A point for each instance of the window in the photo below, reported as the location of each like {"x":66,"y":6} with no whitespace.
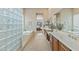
{"x":76,"y":23}
{"x":39,"y":18}
{"x":67,"y":17}
{"x":71,"y":20}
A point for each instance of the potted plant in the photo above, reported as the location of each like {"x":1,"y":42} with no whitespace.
{"x":59,"y":26}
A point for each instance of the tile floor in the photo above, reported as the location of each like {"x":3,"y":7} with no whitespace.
{"x":38,"y":43}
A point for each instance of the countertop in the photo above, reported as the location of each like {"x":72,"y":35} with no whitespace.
{"x":66,"y":40}
{"x":27,"y":32}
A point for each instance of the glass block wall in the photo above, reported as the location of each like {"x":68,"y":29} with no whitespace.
{"x":10,"y":28}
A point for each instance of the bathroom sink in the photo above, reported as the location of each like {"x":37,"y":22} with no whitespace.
{"x":71,"y":35}
{"x":74,"y":37}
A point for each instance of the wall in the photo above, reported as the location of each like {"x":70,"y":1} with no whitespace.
{"x":30,"y":13}
{"x":10,"y":28}
{"x":76,"y":10}
{"x":53,"y":11}
{"x":76,"y":21}
{"x":64,"y":17}
{"x":52,"y":14}
{"x":30,"y":17}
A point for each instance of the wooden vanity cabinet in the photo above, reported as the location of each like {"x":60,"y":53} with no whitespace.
{"x":62,"y":47}
{"x":47,"y":35}
{"x":57,"y":45}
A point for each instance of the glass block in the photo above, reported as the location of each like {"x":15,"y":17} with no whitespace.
{"x":11,"y":19}
{"x":4,"y":20}
{"x":2,"y":35}
{"x":11,"y":9}
{"x":7,"y":34}
{"x":1,"y":28}
{"x":2,"y":42}
{"x":9,"y":46}
{"x":1,"y":19}
{"x":1,"y":11}
{"x":2,"y":48}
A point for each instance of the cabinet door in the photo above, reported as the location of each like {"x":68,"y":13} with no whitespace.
{"x":51,"y":42}
{"x":62,"y":47}
{"x":55,"y":44}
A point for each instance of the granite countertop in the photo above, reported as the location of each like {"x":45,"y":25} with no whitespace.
{"x":27,"y":32}
{"x":66,"y":40}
